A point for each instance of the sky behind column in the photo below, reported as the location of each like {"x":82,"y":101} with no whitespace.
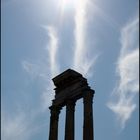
{"x":42,"y":38}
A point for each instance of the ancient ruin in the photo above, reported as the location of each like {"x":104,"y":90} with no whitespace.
{"x":71,"y":86}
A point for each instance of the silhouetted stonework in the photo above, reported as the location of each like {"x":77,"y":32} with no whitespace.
{"x":71,"y":86}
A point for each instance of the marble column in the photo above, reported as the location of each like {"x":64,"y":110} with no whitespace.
{"x":55,"y":110}
{"x":69,"y":124}
{"x":88,"y":115}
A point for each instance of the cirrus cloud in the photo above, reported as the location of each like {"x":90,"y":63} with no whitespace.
{"x":128,"y":72}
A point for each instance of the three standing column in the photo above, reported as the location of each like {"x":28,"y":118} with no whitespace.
{"x":88,"y":132}
{"x":88,"y":116}
{"x":54,"y":122}
{"x":69,"y":126}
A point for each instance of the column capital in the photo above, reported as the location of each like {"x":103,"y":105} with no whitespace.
{"x":88,"y":96}
{"x":70,"y":105}
{"x":55,"y":110}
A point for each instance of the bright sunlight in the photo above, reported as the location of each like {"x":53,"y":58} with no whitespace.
{"x":68,"y":4}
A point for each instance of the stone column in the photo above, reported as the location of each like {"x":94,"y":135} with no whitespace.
{"x":53,"y":135}
{"x":88,"y":116}
{"x":69,"y":125}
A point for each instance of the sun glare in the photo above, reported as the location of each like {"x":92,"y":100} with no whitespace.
{"x":68,"y":4}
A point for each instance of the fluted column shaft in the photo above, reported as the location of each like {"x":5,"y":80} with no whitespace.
{"x":88,"y":116}
{"x":53,"y":135}
{"x":69,"y":125}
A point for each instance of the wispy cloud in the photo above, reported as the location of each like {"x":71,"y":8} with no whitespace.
{"x":46,"y":69}
{"x":52,"y":48}
{"x":51,"y":56}
{"x":31,"y":68}
{"x":14,"y":128}
{"x":20,"y":125}
{"x":128,"y":72}
{"x":82,"y":62}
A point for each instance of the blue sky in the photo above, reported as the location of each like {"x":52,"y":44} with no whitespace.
{"x":42,"y":38}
